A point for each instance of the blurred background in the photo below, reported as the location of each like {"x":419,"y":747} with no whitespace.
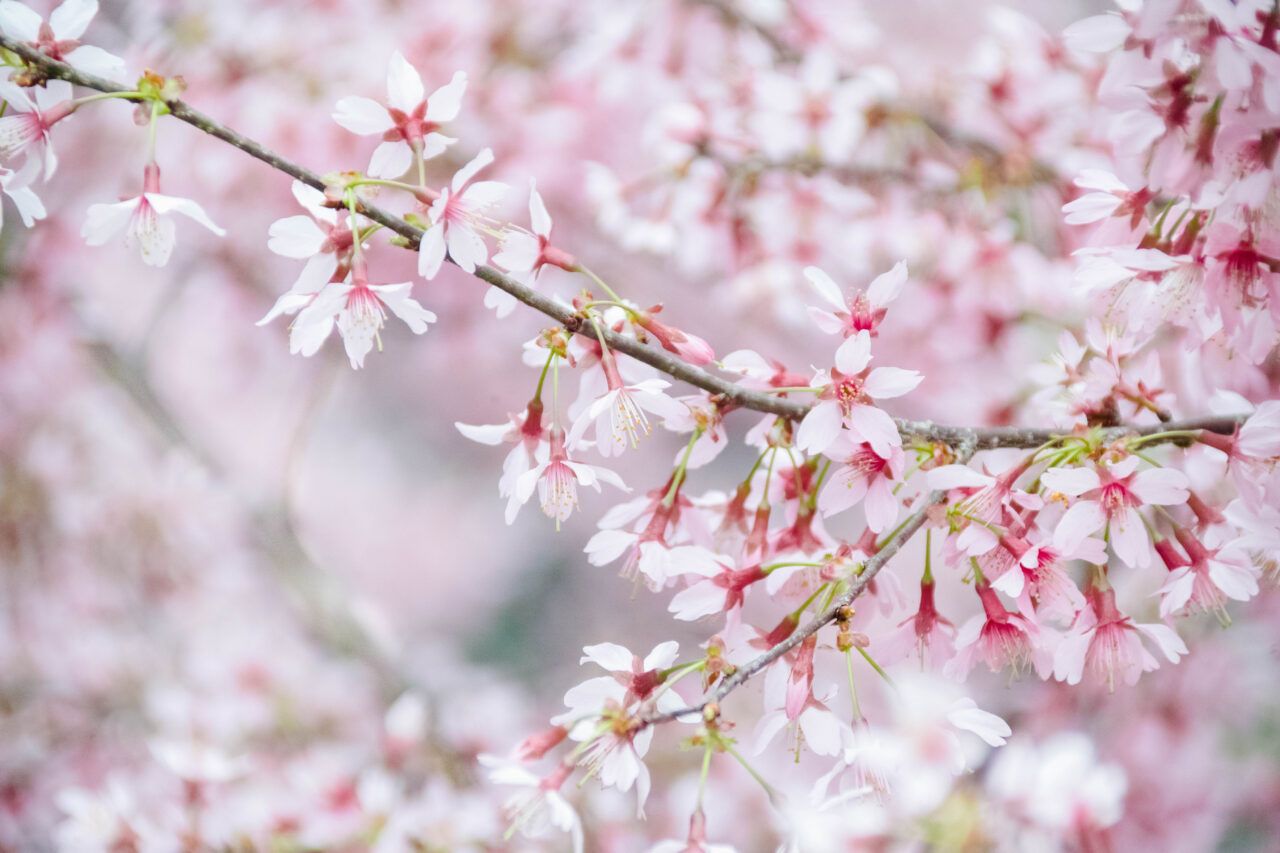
{"x":222,"y":565}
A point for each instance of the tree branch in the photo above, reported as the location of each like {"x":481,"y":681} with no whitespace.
{"x":979,"y":438}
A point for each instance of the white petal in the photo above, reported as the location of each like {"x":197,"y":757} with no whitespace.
{"x":185,"y":206}
{"x":663,"y":656}
{"x":819,"y":428}
{"x":95,"y":60}
{"x":1098,"y":34}
{"x":404,"y":85}
{"x":71,"y":19}
{"x":467,"y":172}
{"x":957,"y":476}
{"x":854,"y":354}
{"x":885,"y":383}
{"x":397,"y":298}
{"x":611,"y":656}
{"x":444,"y":103}
{"x":826,"y":288}
{"x":390,"y":159}
{"x":538,"y":215}
{"x":1071,"y":481}
{"x":466,"y":247}
{"x":431,"y":252}
{"x":295,"y":236}
{"x":19,"y":22}
{"x":362,"y":116}
{"x":104,"y":220}
{"x":887,"y":286}
{"x":491,"y":434}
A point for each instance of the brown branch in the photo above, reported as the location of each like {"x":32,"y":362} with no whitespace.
{"x":980,"y":438}
{"x":785,"y":53}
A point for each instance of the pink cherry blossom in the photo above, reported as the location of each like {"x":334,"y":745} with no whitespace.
{"x":357,"y":308}
{"x":1110,"y":497}
{"x":619,"y":414}
{"x":59,"y":37}
{"x":456,"y":220}
{"x":863,"y":312}
{"x":410,"y":121}
{"x":27,"y":129}
{"x":141,"y":219}
{"x":862,"y":474}
{"x":557,"y":477}
{"x":1206,"y":578}
{"x":523,"y":251}
{"x":846,"y":400}
{"x":1109,"y":644}
{"x":999,"y":638}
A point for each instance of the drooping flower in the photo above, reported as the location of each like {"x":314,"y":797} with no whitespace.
{"x":539,"y":805}
{"x":618,"y":414}
{"x":142,"y":218}
{"x":999,"y":637}
{"x":356,"y":307}
{"x":409,"y":123}
{"x":455,"y":216}
{"x":523,"y":251}
{"x":556,"y":478}
{"x":324,"y":239}
{"x":1109,"y":644}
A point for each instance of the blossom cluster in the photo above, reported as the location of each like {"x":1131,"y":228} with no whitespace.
{"x":1071,"y":245}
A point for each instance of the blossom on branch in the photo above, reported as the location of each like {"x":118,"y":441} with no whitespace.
{"x":456,"y":220}
{"x":410,"y":121}
{"x":141,"y":219}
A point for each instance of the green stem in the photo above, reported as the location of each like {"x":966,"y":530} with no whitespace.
{"x":678,"y":478}
{"x":768,"y":789}
{"x":927,"y":577}
{"x":853,"y":693}
{"x":102,"y":96}
{"x":537,"y":393}
{"x":706,"y":769}
{"x":874,"y":665}
{"x":598,"y":280}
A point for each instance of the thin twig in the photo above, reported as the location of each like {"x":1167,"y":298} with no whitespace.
{"x":981,"y":438}
{"x":869,"y":571}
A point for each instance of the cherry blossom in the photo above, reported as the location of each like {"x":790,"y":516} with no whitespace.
{"x":865,"y":311}
{"x":357,"y":309}
{"x":455,"y":220}
{"x":141,"y":219}
{"x":409,"y":123}
{"x":999,"y":638}
{"x":323,"y":238}
{"x":846,"y":400}
{"x":539,"y":806}
{"x":27,"y":131}
{"x":862,"y":474}
{"x":1109,"y":644}
{"x":556,"y":478}
{"x":619,"y":414}
{"x":58,"y":38}
{"x":529,"y":252}
{"x":1109,"y":497}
